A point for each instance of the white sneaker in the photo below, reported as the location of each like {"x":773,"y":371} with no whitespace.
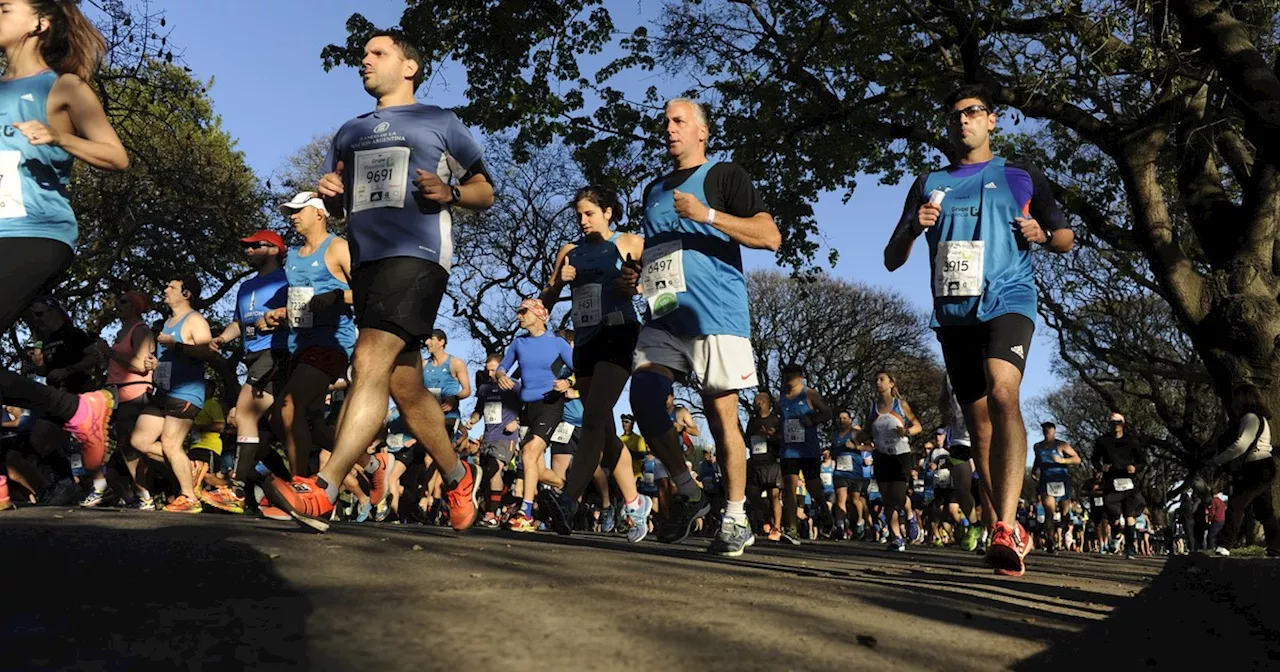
{"x":1221,"y":551}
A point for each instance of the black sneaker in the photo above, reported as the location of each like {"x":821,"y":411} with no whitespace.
{"x":684,"y":512}
{"x":559,"y":514}
{"x":62,"y":493}
{"x":1272,"y":553}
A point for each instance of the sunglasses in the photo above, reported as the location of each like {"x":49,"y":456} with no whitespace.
{"x":522,"y":311}
{"x":971,"y":112}
{"x":256,"y":246}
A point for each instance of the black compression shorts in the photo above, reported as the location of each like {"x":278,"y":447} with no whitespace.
{"x":967,"y":348}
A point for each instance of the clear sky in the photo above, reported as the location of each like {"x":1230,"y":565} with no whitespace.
{"x":273,"y":96}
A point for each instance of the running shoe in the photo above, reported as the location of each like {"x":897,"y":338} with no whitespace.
{"x":363,"y":511}
{"x":1226,"y":553}
{"x":95,"y":499}
{"x":791,"y":536}
{"x":734,"y":538}
{"x":897,"y":545}
{"x":775,"y":535}
{"x":272,"y":513}
{"x":608,"y":520}
{"x":5,"y":502}
{"x":184,"y":504}
{"x":463,"y":498}
{"x":141,"y":503}
{"x":62,"y":493}
{"x":522,"y":523}
{"x":1008,"y":547}
{"x":303,"y":499}
{"x":639,"y":519}
{"x":970,"y":540}
{"x":837,"y":533}
{"x":1271,"y":552}
{"x":91,"y":431}
{"x":378,"y":491}
{"x":490,"y":520}
{"x":824,"y":520}
{"x":1130,"y":554}
{"x":559,"y":513}
{"x":914,"y":533}
{"x":684,"y":512}
{"x":222,"y":498}
{"x":383,"y":510}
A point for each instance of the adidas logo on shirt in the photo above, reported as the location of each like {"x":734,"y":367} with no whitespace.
{"x":314,"y":264}
{"x":28,"y":97}
{"x":1019,"y":351}
{"x":989,"y":185}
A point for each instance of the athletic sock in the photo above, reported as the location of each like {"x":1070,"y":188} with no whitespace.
{"x":330,"y":489}
{"x":685,"y":485}
{"x":736,"y":511}
{"x":633,"y":505}
{"x":527,"y":509}
{"x":455,"y":476}
{"x":143,"y":493}
{"x":99,"y":485}
{"x":374,"y":464}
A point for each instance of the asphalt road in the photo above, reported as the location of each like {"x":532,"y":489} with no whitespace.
{"x":116,"y":590}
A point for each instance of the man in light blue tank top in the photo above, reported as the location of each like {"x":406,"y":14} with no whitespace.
{"x":445,"y":377}
{"x":981,"y":216}
{"x":696,"y":221}
{"x":181,"y":351}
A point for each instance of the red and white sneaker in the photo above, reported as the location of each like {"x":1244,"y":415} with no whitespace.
{"x":1008,"y":548}
{"x":463,"y":499}
{"x":378,"y":481}
{"x":303,"y":499}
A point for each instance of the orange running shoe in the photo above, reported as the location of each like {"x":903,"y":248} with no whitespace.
{"x":378,"y":480}
{"x":5,"y":503}
{"x":1008,"y":547}
{"x":775,"y":535}
{"x":463,"y":500}
{"x":91,"y":431}
{"x":522,"y":523}
{"x":223,"y":498}
{"x":272,"y":513}
{"x":303,"y":499}
{"x":184,"y":504}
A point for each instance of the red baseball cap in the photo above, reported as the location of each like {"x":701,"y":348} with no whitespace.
{"x":265,"y":236}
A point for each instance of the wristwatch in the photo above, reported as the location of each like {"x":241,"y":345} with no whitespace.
{"x":457,"y":195}
{"x":1048,"y":236}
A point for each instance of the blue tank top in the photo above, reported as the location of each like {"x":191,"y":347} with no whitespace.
{"x":34,"y":198}
{"x":692,"y":271}
{"x":309,"y":276}
{"x":826,"y":473}
{"x":846,"y":459}
{"x":440,"y":378}
{"x":179,"y":376}
{"x":596,"y":299}
{"x":980,"y":206}
{"x":798,"y":441}
{"x":573,"y":412}
{"x":256,"y":296}
{"x":1050,"y":470}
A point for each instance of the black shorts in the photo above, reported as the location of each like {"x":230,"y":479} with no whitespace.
{"x":764,"y":475}
{"x":1124,"y":504}
{"x":892,"y":468}
{"x":266,"y":370}
{"x":961,"y":452}
{"x":944,"y":496}
{"x":415,"y":454}
{"x":399,"y":295}
{"x":500,"y":451}
{"x":966,"y":349}
{"x":162,"y":406}
{"x":811,"y":467}
{"x":203,"y":455}
{"x":123,"y":420}
{"x":542,"y":418}
{"x":610,"y":345}
{"x":569,"y":447}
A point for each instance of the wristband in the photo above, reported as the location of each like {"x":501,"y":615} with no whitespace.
{"x":711,"y":217}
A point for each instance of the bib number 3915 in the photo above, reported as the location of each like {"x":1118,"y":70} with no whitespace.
{"x":663,"y":277}
{"x":957,"y":268}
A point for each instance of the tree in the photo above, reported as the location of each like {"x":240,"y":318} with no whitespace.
{"x":302,"y":170}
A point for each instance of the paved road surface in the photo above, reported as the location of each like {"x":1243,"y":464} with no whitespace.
{"x":116,"y":590}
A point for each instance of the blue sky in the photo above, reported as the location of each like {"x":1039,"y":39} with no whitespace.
{"x":273,"y":96}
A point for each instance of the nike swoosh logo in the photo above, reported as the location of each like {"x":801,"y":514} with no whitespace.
{"x":747,"y":376}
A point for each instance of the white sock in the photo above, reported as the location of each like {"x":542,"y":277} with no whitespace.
{"x":736,"y":511}
{"x":99,"y":485}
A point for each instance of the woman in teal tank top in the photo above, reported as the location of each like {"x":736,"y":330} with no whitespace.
{"x":52,"y":117}
{"x":606,"y":324}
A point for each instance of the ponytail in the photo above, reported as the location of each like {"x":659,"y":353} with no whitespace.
{"x":72,"y":44}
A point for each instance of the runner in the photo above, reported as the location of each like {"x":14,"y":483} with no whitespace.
{"x":803,"y":411}
{"x":982,"y":214}
{"x":180,"y":390}
{"x":445,"y":377}
{"x":402,"y":154}
{"x":1052,"y":457}
{"x":51,"y":51}
{"x":1254,"y":471}
{"x":266,"y":356}
{"x":1120,"y":458}
{"x":500,"y":410}
{"x":697,"y":219}
{"x":891,"y":424}
{"x":606,"y":324}
{"x":764,"y":470}
{"x":541,"y":355}
{"x":633,"y":442}
{"x":565,"y":441}
{"x":961,"y":504}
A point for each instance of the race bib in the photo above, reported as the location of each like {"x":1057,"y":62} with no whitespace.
{"x":1097,"y":501}
{"x":793,"y":431}
{"x":300,"y":315}
{"x":564,"y":432}
{"x":844,"y":462}
{"x":436,"y":392}
{"x":493,"y":412}
{"x":873,"y":488}
{"x":1056,"y":489}
{"x":586,"y":305}
{"x":918,"y":485}
{"x":827,"y":479}
{"x":395,"y":441}
{"x":663,"y":277}
{"x":381,"y":178}
{"x":942,"y":478}
{"x":648,"y":478}
{"x":164,"y":375}
{"x":958,"y":268}
{"x":1124,"y":484}
{"x":759,"y":446}
{"x":524,"y":431}
{"x":77,"y":461}
{"x":250,"y":332}
{"x":11,"y":202}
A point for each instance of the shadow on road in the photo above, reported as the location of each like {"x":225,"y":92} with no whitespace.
{"x":89,"y":598}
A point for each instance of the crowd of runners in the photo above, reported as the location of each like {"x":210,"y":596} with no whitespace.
{"x":350,"y":406}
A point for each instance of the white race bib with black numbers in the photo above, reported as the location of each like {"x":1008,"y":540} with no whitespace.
{"x":11,"y":201}
{"x":844,"y":462}
{"x":564,"y":432}
{"x":663,"y":277}
{"x":1124,"y":484}
{"x":873,"y":488}
{"x":300,"y":315}
{"x":793,"y":431}
{"x":827,"y":479}
{"x":957,"y":268}
{"x":164,"y":376}
{"x":77,"y":461}
{"x":1056,"y":489}
{"x":648,"y":478}
{"x":942,"y":478}
{"x":1097,"y":501}
{"x":759,"y":446}
{"x":381,"y":178}
{"x":587,"y":305}
{"x":492,"y":412}
{"x":395,"y":442}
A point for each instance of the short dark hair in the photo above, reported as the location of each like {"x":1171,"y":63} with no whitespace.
{"x":792,"y":370}
{"x":1047,"y":424}
{"x":439,"y":333}
{"x":408,"y":50}
{"x":603,"y":198}
{"x":192,"y":285}
{"x":963,"y":91}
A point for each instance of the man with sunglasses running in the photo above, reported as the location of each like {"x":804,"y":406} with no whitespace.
{"x":981,"y":217}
